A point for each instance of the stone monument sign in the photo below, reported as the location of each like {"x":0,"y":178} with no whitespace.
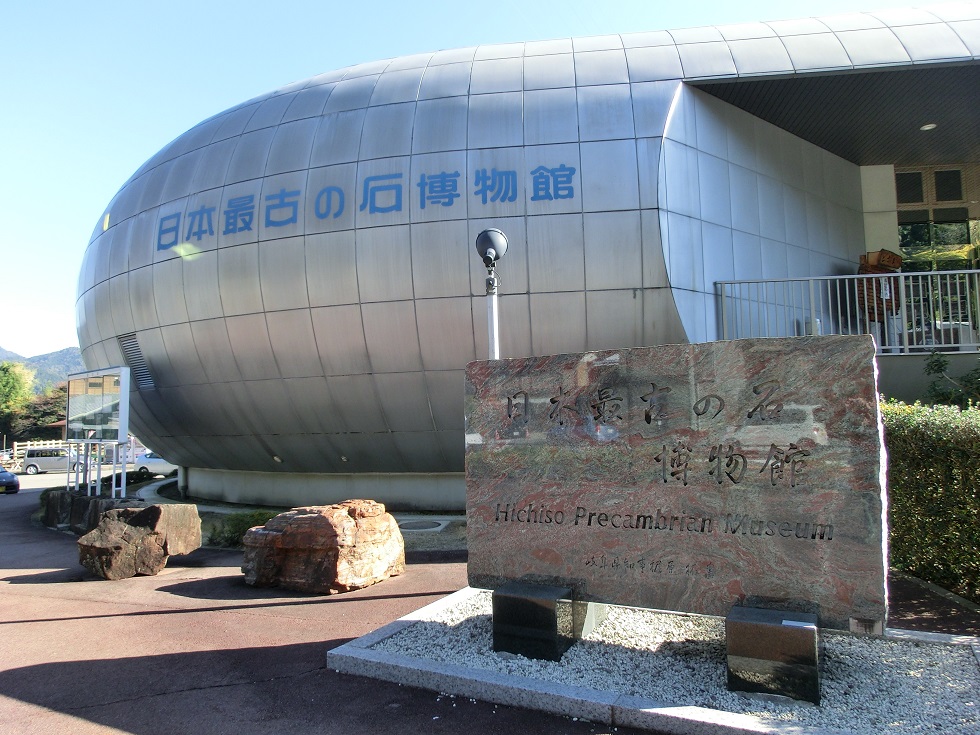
{"x":684,"y":477}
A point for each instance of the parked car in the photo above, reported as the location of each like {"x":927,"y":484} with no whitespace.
{"x":152,"y":463}
{"x":50,"y":459}
{"x":9,"y":483}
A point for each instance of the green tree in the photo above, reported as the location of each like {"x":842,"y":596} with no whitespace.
{"x":16,"y":391}
{"x":35,"y":419}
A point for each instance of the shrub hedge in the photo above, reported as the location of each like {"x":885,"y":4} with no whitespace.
{"x":934,"y":500}
{"x":231,"y":529}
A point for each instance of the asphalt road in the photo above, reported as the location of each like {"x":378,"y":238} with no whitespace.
{"x":195,"y":650}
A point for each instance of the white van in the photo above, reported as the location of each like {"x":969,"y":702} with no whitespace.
{"x":48,"y":459}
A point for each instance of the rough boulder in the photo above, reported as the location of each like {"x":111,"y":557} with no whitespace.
{"x":324,"y":549}
{"x":131,"y":541}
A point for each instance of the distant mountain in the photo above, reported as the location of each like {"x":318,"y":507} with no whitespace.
{"x":49,"y":369}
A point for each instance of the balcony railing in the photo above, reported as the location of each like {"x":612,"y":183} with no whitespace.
{"x":906,"y":312}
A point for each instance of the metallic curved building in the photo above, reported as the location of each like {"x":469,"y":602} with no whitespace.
{"x":293,"y":281}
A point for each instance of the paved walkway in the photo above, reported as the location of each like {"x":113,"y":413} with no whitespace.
{"x":194,"y":650}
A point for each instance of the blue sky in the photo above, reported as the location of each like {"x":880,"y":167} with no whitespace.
{"x":91,"y":90}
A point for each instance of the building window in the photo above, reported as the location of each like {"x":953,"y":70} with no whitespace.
{"x":908,"y":187}
{"x":940,"y":240}
{"x":949,"y":186}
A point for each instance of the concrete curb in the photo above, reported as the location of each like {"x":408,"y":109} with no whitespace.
{"x":358,"y":657}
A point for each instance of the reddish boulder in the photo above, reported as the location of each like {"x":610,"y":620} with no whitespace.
{"x":324,"y":549}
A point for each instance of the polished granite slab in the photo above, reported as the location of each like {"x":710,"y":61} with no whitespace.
{"x":684,"y":477}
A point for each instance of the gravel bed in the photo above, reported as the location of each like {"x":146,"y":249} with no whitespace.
{"x":868,"y":685}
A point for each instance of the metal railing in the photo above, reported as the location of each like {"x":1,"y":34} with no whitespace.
{"x":906,"y":312}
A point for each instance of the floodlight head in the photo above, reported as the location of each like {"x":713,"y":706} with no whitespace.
{"x":491,"y":245}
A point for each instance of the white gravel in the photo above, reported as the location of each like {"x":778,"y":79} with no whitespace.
{"x":868,"y":685}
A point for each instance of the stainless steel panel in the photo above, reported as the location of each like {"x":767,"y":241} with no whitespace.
{"x":791,"y":154}
{"x":238,"y":279}
{"x":180,"y":175}
{"x":499,"y":51}
{"x":121,"y":309}
{"x":440,"y":125}
{"x":270,"y":401}
{"x":848,"y":22}
{"x":350,"y":94}
{"x":445,"y":329}
{"x":452,"y":450}
{"x":391,"y":335}
{"x":98,"y":253}
{"x":200,"y":287}
{"x":383,"y":193}
{"x":294,"y":343}
{"x":556,"y":253}
{"x":438,"y":187}
{"x":440,"y":255}
{"x":774,"y":260}
{"x":772,"y":211}
{"x":308,"y":103}
{"x":495,"y":120}
{"x":745,"y":199}
{"x":313,"y":406}
{"x":496,"y":182}
{"x":613,"y":253}
{"x":719,"y":255}
{"x":168,"y":292}
{"x":613,"y":319}
{"x":556,"y":158}
{"x":564,"y":313}
{"x":969,"y":33}
{"x":597,"y":43}
{"x":291,"y":146}
{"x":149,"y":187}
{"x":813,"y":174}
{"x":331,"y":269}
{"x":155,"y":352}
{"x":359,"y":406}
{"x":701,"y":60}
{"x":692,"y":308}
{"x":396,"y":86}
{"x":702,"y":34}
{"x":446,"y":80}
{"x":404,"y":401}
{"x":543,"y":48}
{"x":383,"y":263}
{"x":744,"y":31}
{"x":249,"y":338}
{"x":498,"y":75}
{"x":340,"y":340}
{"x":233,"y":122}
{"x":654,"y":263}
{"x":798,"y":261}
{"x":328,"y":77}
{"x":182,"y":353}
{"x":141,"y":298}
{"x":798,"y":27}
{"x":748,"y":256}
{"x":874,"y":46}
{"x":905,"y":16}
{"x":282,"y":271}
{"x":414,"y":61}
{"x":338,"y":138}
{"x":214,"y":349}
{"x":251,"y":154}
{"x":549,"y":72}
{"x":418,"y":451}
{"x":440,"y":384}
{"x":661,"y":322}
{"x":760,"y":56}
{"x":794,"y":201}
{"x":138,"y":242}
{"x":711,"y":117}
{"x":101,"y":304}
{"x":452,"y":56}
{"x":369,"y":68}
{"x":281,"y":209}
{"x":816,"y":223}
{"x":741,"y":139}
{"x":600,"y":67}
{"x":199,"y":227}
{"x":610,"y":176}
{"x":550,"y":116}
{"x":685,"y":252}
{"x":931,"y":42}
{"x":330,"y":200}
{"x":238,"y":215}
{"x":818,"y":51}
{"x":605,"y":112}
{"x":651,"y":105}
{"x":513,"y":273}
{"x":647,"y":38}
{"x":270,"y":112}
{"x":212,"y":166}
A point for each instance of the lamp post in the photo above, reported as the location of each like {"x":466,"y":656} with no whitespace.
{"x":491,"y":245}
